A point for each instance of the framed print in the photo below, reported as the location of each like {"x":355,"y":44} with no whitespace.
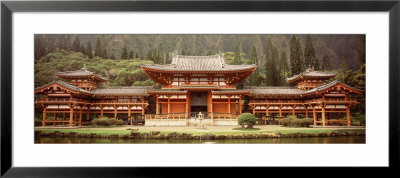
{"x":160,"y":84}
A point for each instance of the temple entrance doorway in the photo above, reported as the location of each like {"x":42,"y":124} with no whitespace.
{"x":198,"y":102}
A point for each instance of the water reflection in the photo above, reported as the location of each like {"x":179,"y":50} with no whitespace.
{"x":307,"y":140}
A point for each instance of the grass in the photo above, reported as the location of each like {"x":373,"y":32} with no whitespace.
{"x":235,"y":131}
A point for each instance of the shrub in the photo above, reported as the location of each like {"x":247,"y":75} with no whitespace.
{"x":285,"y":121}
{"x":104,"y":122}
{"x":246,"y":118}
{"x":295,"y":122}
{"x":358,"y":120}
{"x":38,"y":122}
{"x":120,"y":122}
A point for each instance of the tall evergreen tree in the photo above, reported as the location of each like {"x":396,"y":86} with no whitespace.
{"x":124,"y":52}
{"x":237,"y":59}
{"x":315,"y":63}
{"x":97,"y":50}
{"x":160,"y":54}
{"x":284,"y":68}
{"x":104,"y":47}
{"x":309,"y":53}
{"x":83,"y":49}
{"x":325,"y":63}
{"x":89,"y":50}
{"x":130,"y":56}
{"x":274,"y":72}
{"x":76,"y":45}
{"x":40,"y":49}
{"x":254,"y":58}
{"x":296,"y":64}
{"x":361,"y":50}
{"x":268,"y":62}
{"x":136,"y":55}
{"x":68,"y":46}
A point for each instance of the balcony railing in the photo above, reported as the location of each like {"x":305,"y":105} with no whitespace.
{"x":206,"y":115}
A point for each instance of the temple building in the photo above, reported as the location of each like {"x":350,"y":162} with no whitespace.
{"x":193,"y":86}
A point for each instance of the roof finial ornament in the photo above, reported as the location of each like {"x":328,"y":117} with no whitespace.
{"x":84,"y":67}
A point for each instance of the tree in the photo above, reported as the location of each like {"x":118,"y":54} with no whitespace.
{"x":112,"y":56}
{"x":97,"y":51}
{"x":76,"y":45}
{"x":309,"y":54}
{"x":68,"y":46}
{"x":361,"y":49}
{"x":254,"y":58}
{"x":296,"y":64}
{"x":40,"y":49}
{"x":124,"y":52}
{"x":284,"y":68}
{"x":130,"y":56}
{"x":89,"y":50}
{"x":83,"y":49}
{"x":160,"y":54}
{"x":137,"y":55}
{"x":237,"y":59}
{"x":325,"y":63}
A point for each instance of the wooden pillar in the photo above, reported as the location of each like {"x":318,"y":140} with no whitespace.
{"x":157,"y":106}
{"x":44,"y":116}
{"x":80,"y":116}
{"x":71,"y":115}
{"x":142,"y":112}
{"x":229,"y":104}
{"x":314,"y":115}
{"x":306,"y":111}
{"x":169,"y":104}
{"x":240,"y":104}
{"x":280,"y":111}
{"x":323,"y":116}
{"x":266,"y":114}
{"x":348,"y":116}
{"x":293,"y":112}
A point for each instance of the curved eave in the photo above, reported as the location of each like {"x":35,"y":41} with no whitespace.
{"x":198,"y":71}
{"x":105,"y":95}
{"x":55,"y":84}
{"x":96,"y":77}
{"x":309,"y":77}
{"x":277,"y":95}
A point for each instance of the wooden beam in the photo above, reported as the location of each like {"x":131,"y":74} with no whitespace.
{"x":314,"y":115}
{"x":348,"y":115}
{"x":80,"y":117}
{"x":44,"y":117}
{"x":240,"y":105}
{"x":323,"y":116}
{"x":157,"y":106}
{"x":101,"y":112}
{"x":55,"y":119}
{"x":306,"y":111}
{"x":71,"y":115}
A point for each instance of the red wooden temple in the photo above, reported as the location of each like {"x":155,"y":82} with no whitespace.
{"x":190,"y":85}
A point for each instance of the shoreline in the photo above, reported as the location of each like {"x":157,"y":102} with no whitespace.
{"x":193,"y":134}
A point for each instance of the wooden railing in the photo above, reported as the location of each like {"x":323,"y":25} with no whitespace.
{"x":313,"y":101}
{"x":206,"y":115}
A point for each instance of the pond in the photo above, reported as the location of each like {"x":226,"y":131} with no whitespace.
{"x":306,"y":140}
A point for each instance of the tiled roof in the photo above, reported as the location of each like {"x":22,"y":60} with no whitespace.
{"x":80,"y":73}
{"x":328,"y":85}
{"x":66,"y":85}
{"x":312,"y":73}
{"x":167,"y":91}
{"x":232,"y":91}
{"x":198,"y":63}
{"x":199,"y":86}
{"x":134,"y":90}
{"x":275,"y":91}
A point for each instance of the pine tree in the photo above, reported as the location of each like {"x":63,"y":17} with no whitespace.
{"x":40,"y":49}
{"x":68,"y":46}
{"x":274,"y":72}
{"x":130,"y":54}
{"x":137,"y":55}
{"x":124,"y":52}
{"x":83,"y":50}
{"x":268,"y":62}
{"x":254,"y":58}
{"x":326,"y":63}
{"x":76,"y":45}
{"x":284,"y":68}
{"x":296,"y":64}
{"x":97,"y":50}
{"x":104,"y":47}
{"x":160,"y":53}
{"x":89,"y":50}
{"x":309,"y":54}
{"x":237,"y":59}
{"x":315,"y":63}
